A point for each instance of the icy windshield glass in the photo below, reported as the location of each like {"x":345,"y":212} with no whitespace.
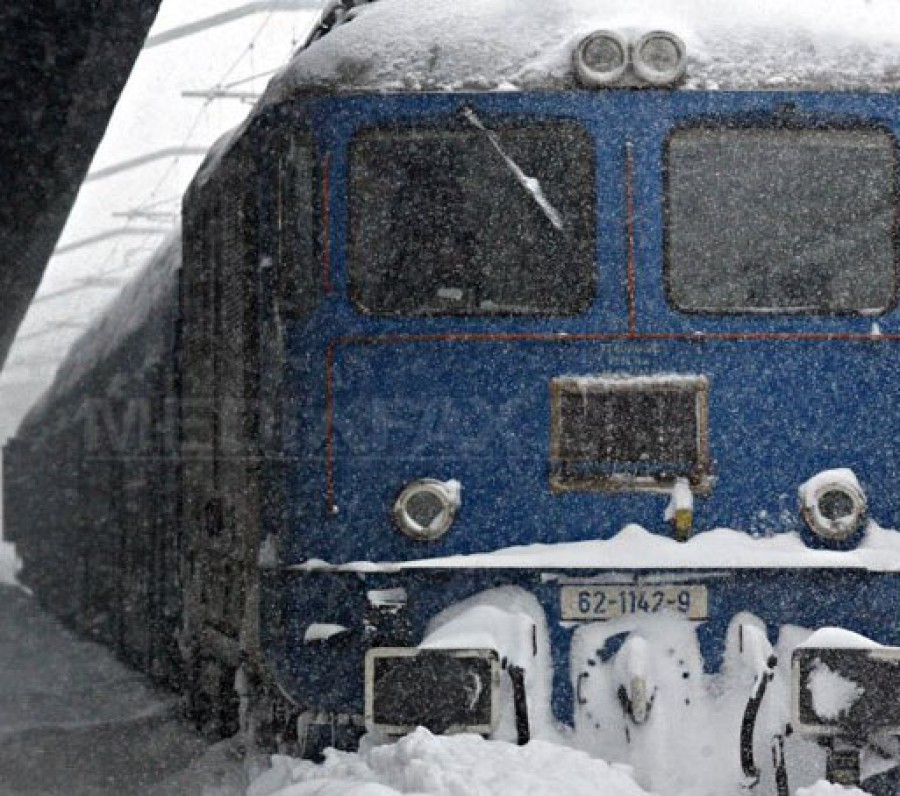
{"x":781,"y":220}
{"x":441,"y":224}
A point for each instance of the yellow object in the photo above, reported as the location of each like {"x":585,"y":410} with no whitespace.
{"x":684,"y":524}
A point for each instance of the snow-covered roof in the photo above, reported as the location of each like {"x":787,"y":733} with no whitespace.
{"x":410,"y":45}
{"x":144,"y":295}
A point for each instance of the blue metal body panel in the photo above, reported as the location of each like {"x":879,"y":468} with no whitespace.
{"x":327,"y":674}
{"x":363,"y":405}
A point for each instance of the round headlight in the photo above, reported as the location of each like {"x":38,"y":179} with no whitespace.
{"x":426,"y":508}
{"x":660,"y":58}
{"x":601,"y":58}
{"x":834,"y":506}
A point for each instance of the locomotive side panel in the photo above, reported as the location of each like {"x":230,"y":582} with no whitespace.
{"x":97,"y":473}
{"x":219,"y":429}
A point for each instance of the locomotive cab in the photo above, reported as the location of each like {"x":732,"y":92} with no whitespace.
{"x":560,"y":343}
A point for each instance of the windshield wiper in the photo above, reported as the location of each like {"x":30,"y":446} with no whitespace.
{"x":531,"y":185}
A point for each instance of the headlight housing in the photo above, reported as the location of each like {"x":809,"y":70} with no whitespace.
{"x":601,"y":58}
{"x":833,"y":505}
{"x":606,"y":57}
{"x":659,"y":58}
{"x":426,"y":508}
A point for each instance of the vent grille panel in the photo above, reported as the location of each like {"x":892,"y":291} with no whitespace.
{"x":629,"y":433}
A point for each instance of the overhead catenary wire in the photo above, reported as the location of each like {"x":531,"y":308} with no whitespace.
{"x":218,"y":93}
{"x":221,"y":83}
{"x":50,"y":329}
{"x":184,"y":146}
{"x":141,"y":160}
{"x":31,"y":364}
{"x":158,"y":202}
{"x":193,"y":28}
{"x":205,"y":107}
{"x":150,"y":215}
{"x":91,"y":283}
{"x":115,"y":233}
{"x":249,"y":78}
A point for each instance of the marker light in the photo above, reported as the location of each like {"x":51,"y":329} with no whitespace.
{"x":601,"y":58}
{"x":426,"y":508}
{"x":660,"y":58}
{"x":833,"y":505}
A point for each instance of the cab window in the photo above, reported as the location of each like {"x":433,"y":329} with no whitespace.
{"x":781,"y":220}
{"x":479,"y":219}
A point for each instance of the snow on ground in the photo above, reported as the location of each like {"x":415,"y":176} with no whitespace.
{"x":51,"y":678}
{"x":76,"y":722}
{"x":460,"y":765}
{"x":422,"y":764}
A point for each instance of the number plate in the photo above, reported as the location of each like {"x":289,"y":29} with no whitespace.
{"x":597,"y":603}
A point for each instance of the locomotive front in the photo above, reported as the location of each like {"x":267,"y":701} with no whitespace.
{"x":527,"y":356}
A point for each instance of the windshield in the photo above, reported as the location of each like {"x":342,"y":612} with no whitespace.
{"x":442,"y":221}
{"x":781,"y":220}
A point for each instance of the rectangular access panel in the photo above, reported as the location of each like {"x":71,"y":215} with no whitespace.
{"x":846,"y":692}
{"x":615,"y":433}
{"x":445,"y":690}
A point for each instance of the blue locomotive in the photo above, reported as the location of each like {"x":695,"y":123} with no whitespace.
{"x":445,"y":407}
